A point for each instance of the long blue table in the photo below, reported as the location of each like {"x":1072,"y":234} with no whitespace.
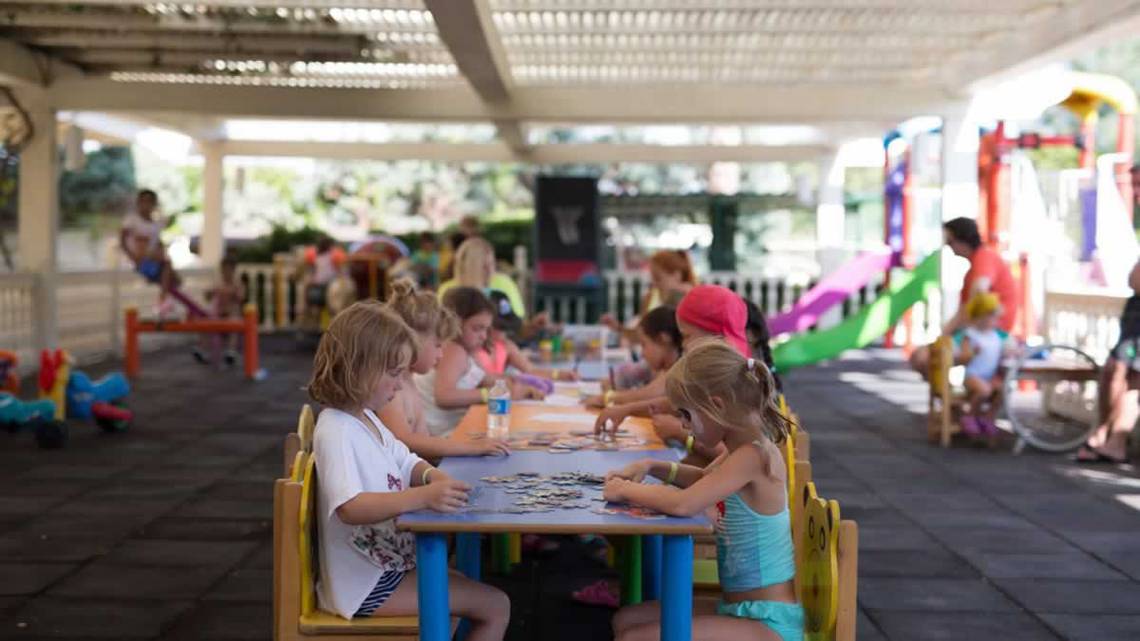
{"x":674,"y":553}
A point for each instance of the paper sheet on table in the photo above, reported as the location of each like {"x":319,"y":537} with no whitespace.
{"x":561,"y":400}
{"x":580,"y":388}
{"x":576,"y":419}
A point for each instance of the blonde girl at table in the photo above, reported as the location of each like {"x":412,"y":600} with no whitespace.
{"x":726,"y":399}
{"x":458,"y":382}
{"x":433,"y":326}
{"x":367,"y":478}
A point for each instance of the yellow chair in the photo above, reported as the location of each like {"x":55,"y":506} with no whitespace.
{"x":296,"y":615}
{"x":827,"y":569}
{"x":940,"y":423}
{"x":306,"y":425}
{"x":291,"y":450}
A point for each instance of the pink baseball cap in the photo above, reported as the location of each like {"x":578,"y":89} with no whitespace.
{"x":717,"y":310}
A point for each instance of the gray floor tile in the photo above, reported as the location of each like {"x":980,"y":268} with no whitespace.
{"x":960,"y":626}
{"x":1073,"y":597}
{"x":20,"y":579}
{"x":1076,"y":566}
{"x":58,"y":618}
{"x":229,"y":621}
{"x":103,"y":579}
{"x":914,"y":564}
{"x":944,"y":595}
{"x":1095,"y":627}
{"x":161,"y":553}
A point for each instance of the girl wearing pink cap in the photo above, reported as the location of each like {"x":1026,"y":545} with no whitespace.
{"x":707,"y":312}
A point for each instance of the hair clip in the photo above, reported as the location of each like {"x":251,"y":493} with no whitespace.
{"x":751,"y":364}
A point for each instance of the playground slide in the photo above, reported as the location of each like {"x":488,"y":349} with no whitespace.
{"x":829,"y":292}
{"x":871,"y":322}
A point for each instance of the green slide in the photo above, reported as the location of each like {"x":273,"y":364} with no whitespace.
{"x":906,"y":290}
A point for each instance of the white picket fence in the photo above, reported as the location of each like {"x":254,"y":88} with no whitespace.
{"x":89,"y":306}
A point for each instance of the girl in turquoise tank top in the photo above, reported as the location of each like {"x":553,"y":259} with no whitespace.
{"x":722,"y":397}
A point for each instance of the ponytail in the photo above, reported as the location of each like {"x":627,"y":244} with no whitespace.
{"x":777,"y":427}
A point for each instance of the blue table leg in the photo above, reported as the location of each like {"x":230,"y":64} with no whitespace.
{"x":431,"y":566}
{"x":677,"y":589}
{"x":650,"y":567}
{"x":468,"y":549}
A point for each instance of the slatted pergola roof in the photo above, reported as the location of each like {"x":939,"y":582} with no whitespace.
{"x":847,"y":67}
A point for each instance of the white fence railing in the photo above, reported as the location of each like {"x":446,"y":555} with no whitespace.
{"x":88,"y":310}
{"x":1089,"y":321}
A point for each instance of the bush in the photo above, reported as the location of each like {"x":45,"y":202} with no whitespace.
{"x":280,"y":239}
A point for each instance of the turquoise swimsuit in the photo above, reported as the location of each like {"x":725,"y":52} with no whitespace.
{"x":755,"y":551}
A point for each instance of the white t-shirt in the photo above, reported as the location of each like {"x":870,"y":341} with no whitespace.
{"x":324,"y":269}
{"x":441,"y":422}
{"x":353,"y":458}
{"x":987,"y":353}
{"x":142,"y":233}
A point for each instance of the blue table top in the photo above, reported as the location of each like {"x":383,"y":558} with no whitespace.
{"x":564,"y":521}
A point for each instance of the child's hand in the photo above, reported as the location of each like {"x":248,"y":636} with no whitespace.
{"x":447,"y":495}
{"x":611,"y":415}
{"x":635,"y":471}
{"x":614,"y":490}
{"x":522,"y":392}
{"x":565,"y":375}
{"x":668,"y":427}
{"x":491,"y":447}
{"x":598,"y":401}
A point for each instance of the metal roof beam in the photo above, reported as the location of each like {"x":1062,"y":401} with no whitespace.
{"x":20,"y":65}
{"x":696,"y":103}
{"x":465,"y":27}
{"x":539,"y":154}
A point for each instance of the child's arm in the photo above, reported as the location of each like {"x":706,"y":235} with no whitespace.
{"x":655,"y":389}
{"x":447,"y":375}
{"x":638,"y":470}
{"x":618,"y":413}
{"x":965,"y":353}
{"x":738,"y":470}
{"x":434,"y":447}
{"x":442,"y":494}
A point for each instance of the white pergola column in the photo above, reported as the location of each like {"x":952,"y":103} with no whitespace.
{"x":212,"y":244}
{"x":960,"y":141}
{"x":39,"y":221}
{"x":829,"y":221}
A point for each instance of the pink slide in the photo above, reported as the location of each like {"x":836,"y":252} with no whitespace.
{"x":831,"y":291}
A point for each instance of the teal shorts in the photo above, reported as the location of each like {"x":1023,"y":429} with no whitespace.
{"x":786,"y":619}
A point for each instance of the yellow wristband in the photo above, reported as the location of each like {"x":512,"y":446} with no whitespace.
{"x":673,"y":469}
{"x":608,"y":398}
{"x":424,"y":479}
{"x":484,"y":393}
{"x":689,"y":444}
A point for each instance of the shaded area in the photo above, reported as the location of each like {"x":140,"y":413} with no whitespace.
{"x":165,"y":533}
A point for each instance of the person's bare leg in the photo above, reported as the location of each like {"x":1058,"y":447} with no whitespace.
{"x":1122,"y":418}
{"x":634,"y":615}
{"x":1111,"y":385}
{"x":486,"y":607}
{"x":708,"y":627}
{"x":920,"y":361}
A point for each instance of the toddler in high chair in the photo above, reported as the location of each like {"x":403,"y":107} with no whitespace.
{"x":981,"y":352}
{"x":367,"y":478}
{"x":725,"y":398}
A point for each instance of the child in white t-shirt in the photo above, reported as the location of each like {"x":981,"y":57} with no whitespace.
{"x":366,"y":478}
{"x":139,"y":238}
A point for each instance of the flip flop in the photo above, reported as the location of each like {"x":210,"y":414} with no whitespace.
{"x":1097,"y":458}
{"x":597,"y":593}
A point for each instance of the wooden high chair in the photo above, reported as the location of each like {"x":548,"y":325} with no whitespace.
{"x":943,"y":401}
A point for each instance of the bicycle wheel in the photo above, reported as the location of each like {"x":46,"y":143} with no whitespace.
{"x":1050,"y":397}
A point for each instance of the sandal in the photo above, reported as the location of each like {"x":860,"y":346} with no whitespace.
{"x":1088,"y":456}
{"x":597,"y":593}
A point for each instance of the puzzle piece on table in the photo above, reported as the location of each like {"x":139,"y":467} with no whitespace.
{"x":635,"y":511}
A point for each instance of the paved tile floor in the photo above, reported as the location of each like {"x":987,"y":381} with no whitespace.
{"x":164,"y":532}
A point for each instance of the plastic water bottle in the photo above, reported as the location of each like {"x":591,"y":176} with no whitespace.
{"x":499,"y":411}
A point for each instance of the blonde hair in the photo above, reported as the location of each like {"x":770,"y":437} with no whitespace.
{"x":749,"y":399}
{"x":361,"y":344}
{"x":469,"y":262}
{"x":421,"y":310}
